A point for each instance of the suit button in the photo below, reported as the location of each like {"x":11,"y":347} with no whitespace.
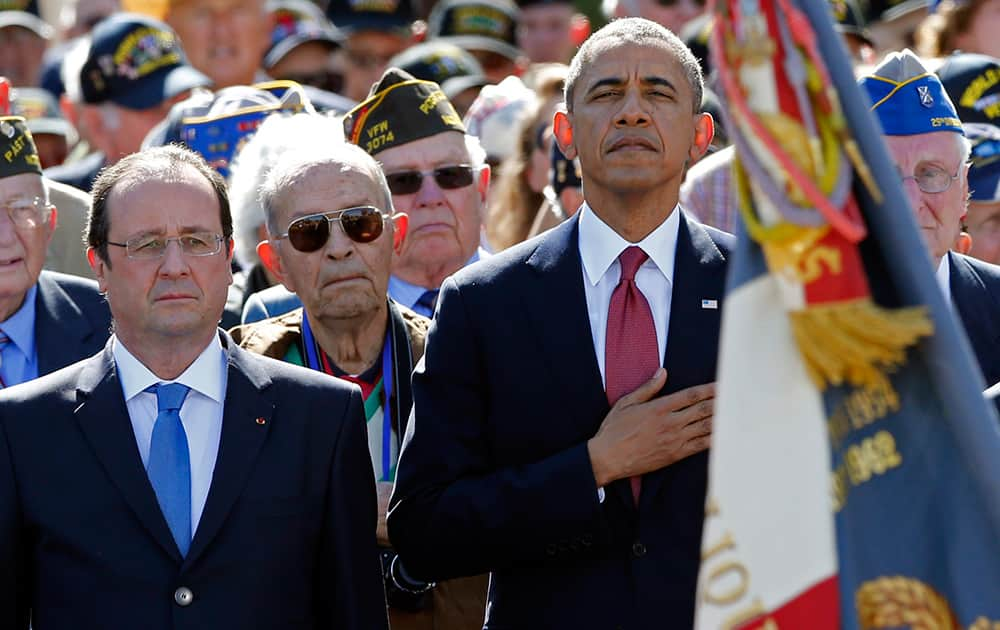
{"x":638,"y":550}
{"x":183,"y":596}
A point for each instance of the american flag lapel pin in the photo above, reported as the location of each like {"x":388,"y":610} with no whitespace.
{"x":711,"y":304}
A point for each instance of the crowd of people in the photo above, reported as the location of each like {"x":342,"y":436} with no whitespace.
{"x":399,"y":313}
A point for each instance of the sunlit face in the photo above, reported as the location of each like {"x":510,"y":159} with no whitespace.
{"x":177,"y":298}
{"x":343,"y":279}
{"x":983,"y":222}
{"x":981,"y":34}
{"x":133,"y":125}
{"x":366,"y":55}
{"x":543,"y":32}
{"x":938,"y":215}
{"x":633,"y":126}
{"x":444,"y":225}
{"x":21,"y":52}
{"x":22,"y":249}
{"x":225,"y":39}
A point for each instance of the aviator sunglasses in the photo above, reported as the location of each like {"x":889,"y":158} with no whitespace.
{"x":362,"y":224}
{"x":447,"y":178}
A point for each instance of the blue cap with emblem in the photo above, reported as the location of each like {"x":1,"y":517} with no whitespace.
{"x":907,"y":98}
{"x":136,"y":62}
{"x":984,"y":169}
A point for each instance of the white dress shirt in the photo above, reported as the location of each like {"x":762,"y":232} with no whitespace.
{"x":600,"y":247}
{"x":943,"y":277}
{"x":201,"y":413}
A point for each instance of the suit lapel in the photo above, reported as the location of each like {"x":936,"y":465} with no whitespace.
{"x":53,"y":308}
{"x":974,"y":304}
{"x":556,"y":305}
{"x":246,"y":420}
{"x":104,"y":421}
{"x":693,"y":336}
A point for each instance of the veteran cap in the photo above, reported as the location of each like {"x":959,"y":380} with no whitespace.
{"x":136,"y":62}
{"x":25,"y":19}
{"x":297,"y":22}
{"x":908,"y":99}
{"x":370,"y":15}
{"x":984,"y":169}
{"x":451,"y":67}
{"x":17,"y":148}
{"x":973,"y":83}
{"x":41,"y":112}
{"x":400,"y":109}
{"x":476,"y":25}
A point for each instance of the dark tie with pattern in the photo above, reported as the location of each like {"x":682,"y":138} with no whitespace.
{"x":631,"y":354}
{"x":169,"y":466}
{"x":427,"y":302}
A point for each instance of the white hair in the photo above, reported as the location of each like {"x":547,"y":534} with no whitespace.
{"x":276,"y":136}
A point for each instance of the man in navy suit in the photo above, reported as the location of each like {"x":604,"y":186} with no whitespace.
{"x":173,"y":480}
{"x":47,"y":320}
{"x":547,"y":444}
{"x":929,"y":145}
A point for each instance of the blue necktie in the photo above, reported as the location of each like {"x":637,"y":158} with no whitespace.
{"x":169,"y":466}
{"x":426,"y":302}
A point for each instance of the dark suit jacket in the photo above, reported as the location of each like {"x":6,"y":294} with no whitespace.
{"x":495,"y":474}
{"x":286,"y":540}
{"x":72,"y":320}
{"x":975,"y":292}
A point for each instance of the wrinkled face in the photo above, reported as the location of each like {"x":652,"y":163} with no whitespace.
{"x":444,"y":224}
{"x":632,"y":122}
{"x":543,"y":32}
{"x":981,"y":36}
{"x":983,"y":222}
{"x":225,"y":39}
{"x":938,"y":215}
{"x":175,"y":298}
{"x":343,"y":279}
{"x":366,"y":55}
{"x":673,"y":14}
{"x":22,"y":248}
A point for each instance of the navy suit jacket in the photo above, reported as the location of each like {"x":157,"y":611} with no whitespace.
{"x":975,"y":292}
{"x":286,"y":540}
{"x":494,"y":473}
{"x":72,"y":320}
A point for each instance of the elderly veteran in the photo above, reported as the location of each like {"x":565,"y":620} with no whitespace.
{"x":332,"y":234}
{"x":48,"y":320}
{"x":437,"y":174}
{"x":926,"y":140}
{"x":983,"y":220}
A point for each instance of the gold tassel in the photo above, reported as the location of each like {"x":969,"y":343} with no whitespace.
{"x":856,"y":342}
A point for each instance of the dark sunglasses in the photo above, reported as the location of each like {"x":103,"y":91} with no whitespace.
{"x":309,"y":233}
{"x":447,"y":177}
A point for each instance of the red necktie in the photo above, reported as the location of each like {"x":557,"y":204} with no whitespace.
{"x":631,"y":354}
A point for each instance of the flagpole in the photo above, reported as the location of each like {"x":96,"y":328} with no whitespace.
{"x":981,"y":444}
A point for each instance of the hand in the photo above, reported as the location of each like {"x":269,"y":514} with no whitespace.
{"x":383,"y":490}
{"x":641,"y":434}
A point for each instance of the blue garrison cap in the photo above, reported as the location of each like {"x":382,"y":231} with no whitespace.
{"x":908,"y":99}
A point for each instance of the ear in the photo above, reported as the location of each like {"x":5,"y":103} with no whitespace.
{"x":562,"y":131}
{"x":272,"y":260}
{"x":98,"y":265}
{"x":52,"y":223}
{"x":400,"y":223}
{"x":704,"y":131}
{"x":483,"y":186}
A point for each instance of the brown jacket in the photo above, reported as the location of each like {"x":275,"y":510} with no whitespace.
{"x":457,"y":604}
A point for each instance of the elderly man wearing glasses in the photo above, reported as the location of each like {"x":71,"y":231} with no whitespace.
{"x":437,"y":175}
{"x":47,"y":320}
{"x":332,"y":237}
{"x":178,"y":472}
{"x":926,"y":140}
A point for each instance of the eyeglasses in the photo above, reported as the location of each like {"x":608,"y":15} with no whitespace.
{"x":362,"y":224}
{"x":27,"y":214}
{"x":930,"y":179}
{"x":447,"y":177}
{"x":147,"y":247}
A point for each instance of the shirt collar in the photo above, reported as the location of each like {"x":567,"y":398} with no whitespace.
{"x":600,"y":246}
{"x":203,"y":375}
{"x":407,"y":294}
{"x":943,"y":277}
{"x":20,"y":327}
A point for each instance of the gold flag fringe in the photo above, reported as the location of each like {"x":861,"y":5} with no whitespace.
{"x":856,"y":342}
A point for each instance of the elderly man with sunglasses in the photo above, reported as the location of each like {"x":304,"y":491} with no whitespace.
{"x":332,"y":235}
{"x":174,"y":479}
{"x":437,"y":175}
{"x":926,"y":140}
